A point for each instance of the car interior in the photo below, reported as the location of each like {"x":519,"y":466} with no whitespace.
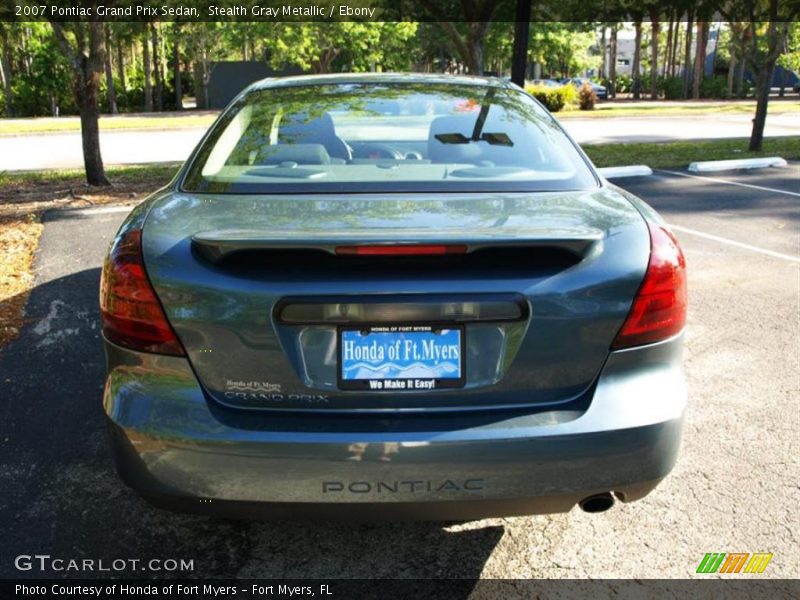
{"x":452,"y":139}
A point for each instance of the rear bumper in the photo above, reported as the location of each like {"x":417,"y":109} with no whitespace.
{"x":182,"y":451}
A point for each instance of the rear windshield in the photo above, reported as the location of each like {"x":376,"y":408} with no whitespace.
{"x":421,"y":137}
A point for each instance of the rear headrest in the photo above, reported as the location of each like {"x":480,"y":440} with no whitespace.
{"x":302,"y":154}
{"x":302,"y":128}
{"x":523,"y":152}
{"x":453,"y":153}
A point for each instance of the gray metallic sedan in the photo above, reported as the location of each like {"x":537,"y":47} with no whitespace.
{"x":392,"y":296}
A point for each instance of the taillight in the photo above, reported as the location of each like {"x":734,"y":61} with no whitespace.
{"x":131,"y":314}
{"x":659,"y":308}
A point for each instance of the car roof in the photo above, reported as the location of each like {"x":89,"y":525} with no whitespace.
{"x":393,"y":78}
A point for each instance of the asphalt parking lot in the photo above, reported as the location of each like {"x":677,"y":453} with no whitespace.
{"x":736,"y":487}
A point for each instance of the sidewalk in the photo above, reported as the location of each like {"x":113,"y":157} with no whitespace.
{"x":186,"y":119}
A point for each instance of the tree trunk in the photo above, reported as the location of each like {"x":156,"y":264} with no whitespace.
{"x":731,"y":74}
{"x":687,"y":63}
{"x":148,"y":87}
{"x":603,"y":55}
{"x":176,"y":74}
{"x":700,"y":58}
{"x":2,"y":76}
{"x":655,"y":28}
{"x":326,"y":58}
{"x":612,"y":63}
{"x":90,"y":137}
{"x":87,"y":67}
{"x":159,"y":92}
{"x":25,"y":53}
{"x":120,"y":64}
{"x":675,"y":43}
{"x":668,"y":47}
{"x":637,"y":58}
{"x":5,"y":63}
{"x":200,"y":83}
{"x":740,"y":79}
{"x":112,"y":93}
{"x":763,"y":64}
{"x":763,"y":82}
{"x":470,"y":47}
{"x":475,"y":45}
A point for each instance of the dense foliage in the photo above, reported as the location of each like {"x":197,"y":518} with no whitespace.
{"x":57,"y":68}
{"x":40,"y":77}
{"x":554,"y":99}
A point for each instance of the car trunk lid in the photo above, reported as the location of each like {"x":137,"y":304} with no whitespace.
{"x":258,"y":294}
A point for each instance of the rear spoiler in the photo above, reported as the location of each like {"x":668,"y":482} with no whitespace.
{"x":215,"y":246}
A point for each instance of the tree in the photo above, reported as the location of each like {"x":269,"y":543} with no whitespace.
{"x":741,"y":88}
{"x":159,"y":74}
{"x":687,"y":54}
{"x":176,"y":66}
{"x":5,"y":67}
{"x":123,"y":36}
{"x":655,"y":27}
{"x":730,"y":45}
{"x":499,"y":46}
{"x":148,"y":84}
{"x":202,"y":41}
{"x":355,"y":46}
{"x":110,"y":89}
{"x":394,"y":42}
{"x":790,"y":59}
{"x":637,"y":58}
{"x":769,"y":23}
{"x":700,"y":55}
{"x":40,"y":78}
{"x":83,"y":44}
{"x":466,"y":37}
{"x":120,"y":63}
{"x":612,"y":62}
{"x":563,"y":49}
{"x":673,"y":54}
{"x":668,"y":46}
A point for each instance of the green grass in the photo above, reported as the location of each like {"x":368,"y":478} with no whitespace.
{"x":604,"y":110}
{"x":680,"y":154}
{"x":122,"y":174}
{"x":73,"y":124}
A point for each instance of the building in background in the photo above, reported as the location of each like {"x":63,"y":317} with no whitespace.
{"x":227,"y":78}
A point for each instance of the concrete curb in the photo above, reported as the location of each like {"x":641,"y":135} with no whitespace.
{"x":741,"y":163}
{"x":626,"y":171}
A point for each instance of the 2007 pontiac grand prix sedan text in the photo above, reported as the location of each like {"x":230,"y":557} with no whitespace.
{"x":392,"y":296}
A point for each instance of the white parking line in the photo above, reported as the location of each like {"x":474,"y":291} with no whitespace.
{"x":723,"y":240}
{"x":745,"y":185}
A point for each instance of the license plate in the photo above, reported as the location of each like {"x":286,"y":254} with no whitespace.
{"x":401,"y":358}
